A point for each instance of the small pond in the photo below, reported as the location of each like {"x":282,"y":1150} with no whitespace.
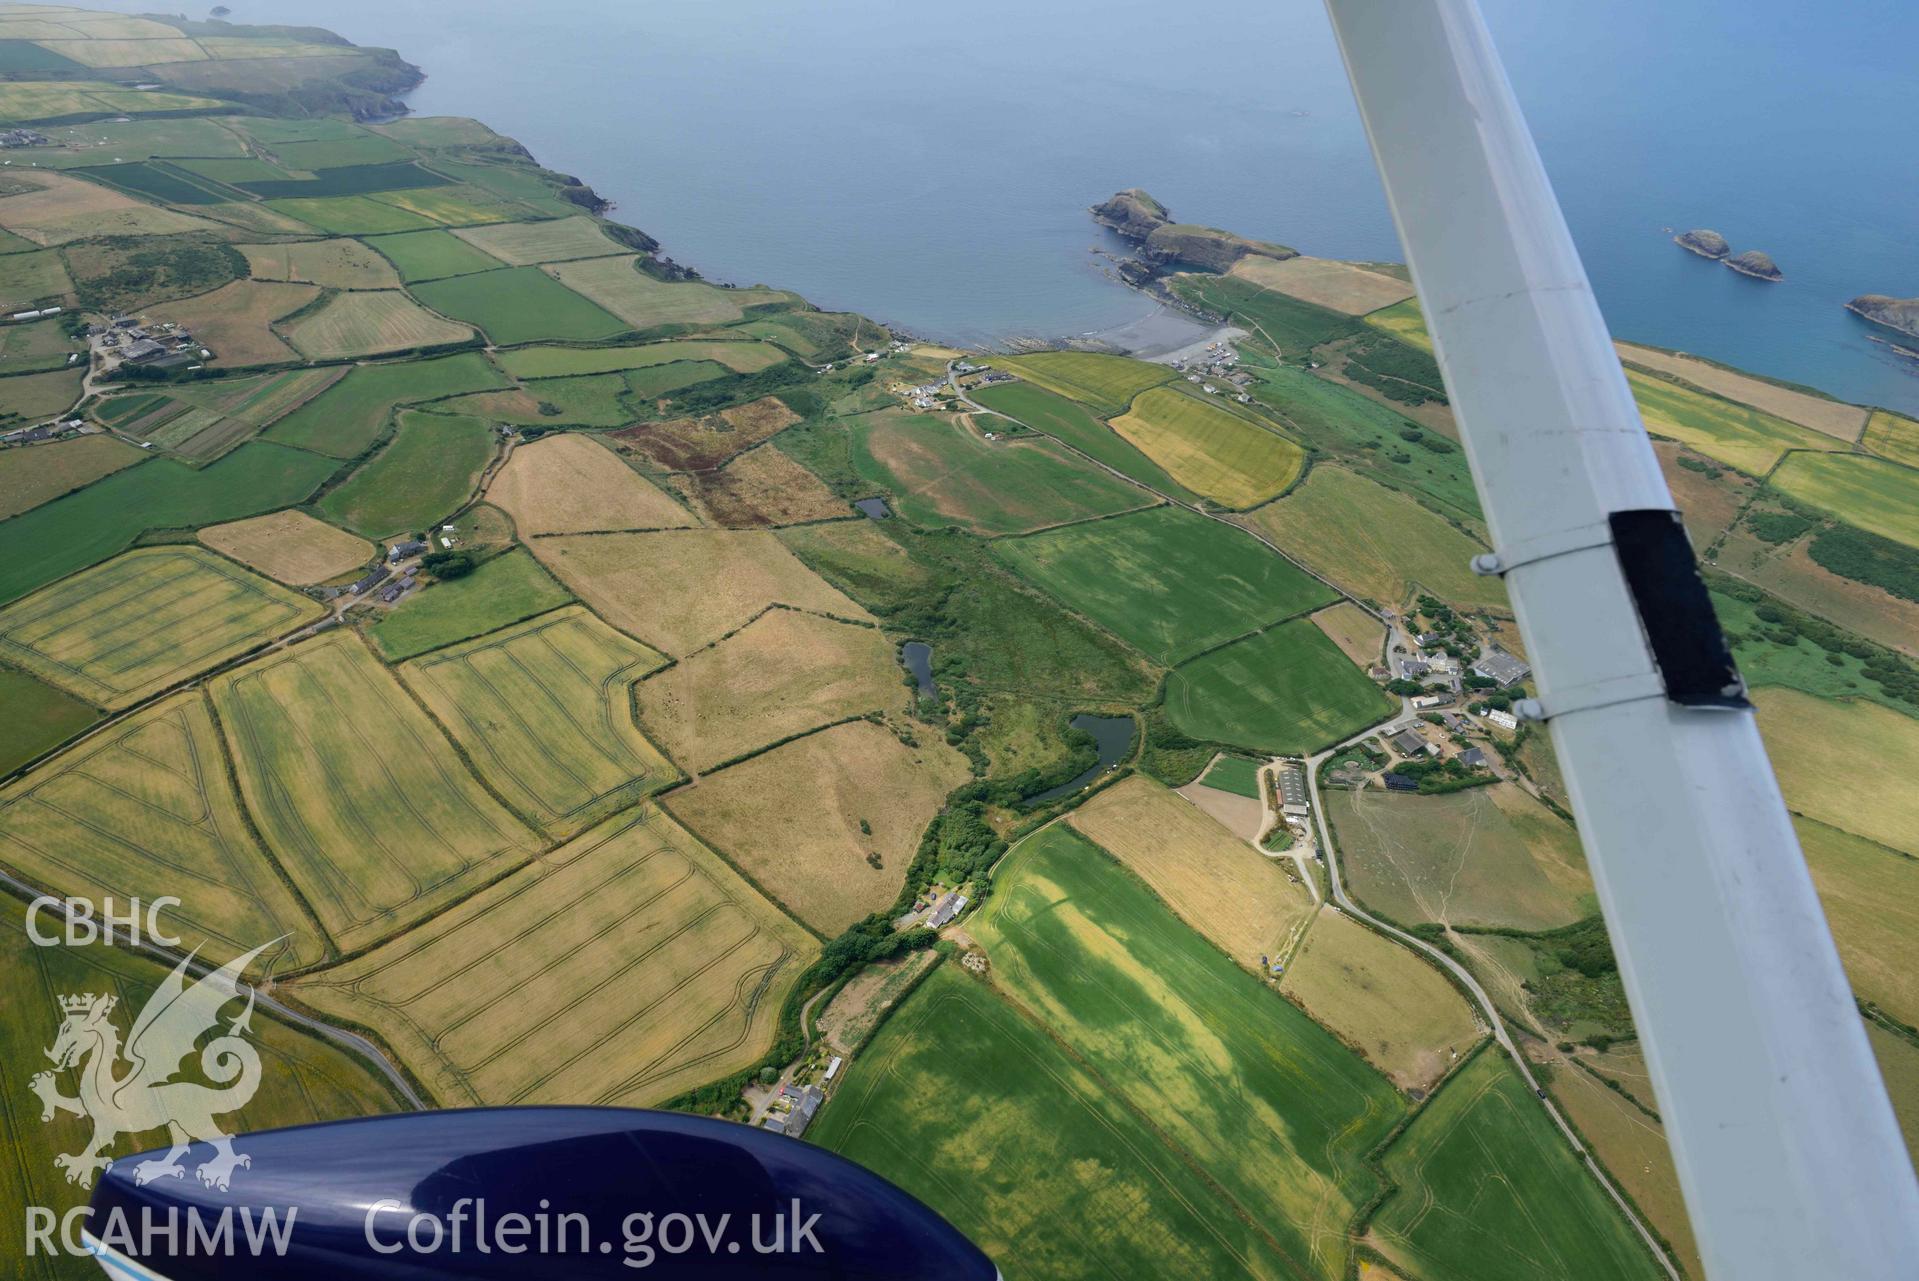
{"x":874,"y":508}
{"x":1112,"y":736}
{"x":917,"y":656}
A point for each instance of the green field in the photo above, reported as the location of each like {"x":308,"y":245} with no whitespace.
{"x":350,"y":215}
{"x":1290,"y":325}
{"x":156,"y":616}
{"x":503,"y":590}
{"x":347,"y":417}
{"x":354,"y":178}
{"x":1375,"y":542}
{"x":29,"y":477}
{"x":1488,"y":1189}
{"x":29,"y":278}
{"x":35,"y":348}
{"x":520,"y":304}
{"x":160,"y":182}
{"x":938,"y":472}
{"x":202,"y":421}
{"x":1892,"y":436}
{"x":1107,"y":383}
{"x":1234,"y":774}
{"x":1404,"y":321}
{"x":645,"y":302}
{"x":1739,"y":435}
{"x":426,"y":472}
{"x":1287,"y":690}
{"x":147,"y":808}
{"x":81,"y":529}
{"x":545,"y":710}
{"x":1211,"y":450}
{"x":40,"y":395}
{"x":1069,"y":422}
{"x":1871,"y":493}
{"x":39,"y":717}
{"x":555,"y":362}
{"x":588,"y":400}
{"x":521,"y":244}
{"x":356,"y":791}
{"x":1135,"y":576}
{"x":1273,"y":1108}
{"x":432,"y":255}
{"x":302,"y":1080}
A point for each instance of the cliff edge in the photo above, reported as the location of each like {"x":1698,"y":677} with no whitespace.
{"x":1899,"y":314}
{"x":1164,"y":245}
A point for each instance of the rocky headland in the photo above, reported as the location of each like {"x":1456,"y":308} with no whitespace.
{"x":1162,"y":245}
{"x":1898,"y":314}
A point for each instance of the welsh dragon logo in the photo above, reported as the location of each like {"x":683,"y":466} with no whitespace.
{"x":146,"y":1096}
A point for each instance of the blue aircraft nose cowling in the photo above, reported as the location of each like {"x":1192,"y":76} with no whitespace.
{"x":550,"y":1193}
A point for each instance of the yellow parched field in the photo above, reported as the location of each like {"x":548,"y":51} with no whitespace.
{"x":618,"y":285}
{"x":234,"y":321}
{"x":1828,"y":417}
{"x":783,"y":673}
{"x":1215,"y":882}
{"x":790,"y":818}
{"x":367,"y":322}
{"x":66,"y":209}
{"x":290,"y":546}
{"x":1381,"y":998}
{"x":1358,"y":634}
{"x":146,"y":809}
{"x":519,"y":244}
{"x":1892,"y":436}
{"x":1210,"y":450}
{"x":571,"y":484}
{"x":29,"y":477}
{"x":619,"y":970}
{"x":1871,"y":897}
{"x":678,"y":590}
{"x":147,"y":619}
{"x":1837,"y":763}
{"x":357,"y":792}
{"x":545,"y":713}
{"x":1327,"y":282}
{"x":335,"y":264}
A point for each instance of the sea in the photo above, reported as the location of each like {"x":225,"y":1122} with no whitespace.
{"x":931,"y":165}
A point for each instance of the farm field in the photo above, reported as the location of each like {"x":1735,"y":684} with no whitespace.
{"x":1488,"y":856}
{"x":40,"y":717}
{"x":290,"y":546}
{"x":519,"y":304}
{"x":703,"y":443}
{"x":347,"y":417}
{"x":1130,"y":576}
{"x":1828,"y":417}
{"x":1209,"y":450}
{"x":1789,"y":572}
{"x":1219,"y":885}
{"x":544,"y":711}
{"x":1404,"y":321}
{"x":1738,"y":435}
{"x":302,"y":1079}
{"x":1488,"y":1189}
{"x":1234,"y":774}
{"x":557,"y":362}
{"x":28,"y":278}
{"x":679,"y":590}
{"x":370,"y":322}
{"x":150,"y":618}
{"x":758,"y":488}
{"x":619,"y":970}
{"x":1381,"y":998}
{"x":1106,"y":383}
{"x":1071,"y":423}
{"x":570,"y":484}
{"x":1632,"y":1147}
{"x":1871,"y":896}
{"x":83,"y":528}
{"x":642,"y":302}
{"x":234,"y":320}
{"x":1273,"y":1108}
{"x":358,"y":795}
{"x":1375,"y":542}
{"x":1875,"y":495}
{"x":504,"y":589}
{"x":590,"y":400}
{"x":1899,"y":1065}
{"x":940,"y":473}
{"x":429,"y":469}
{"x":1325,"y":282}
{"x":432,"y":255}
{"x":782,"y":674}
{"x":334,"y":264}
{"x":1359,"y":635}
{"x":790,"y":818}
{"x":817,"y":336}
{"x":1832,"y":759}
{"x":1710,"y":500}
{"x":36,"y":347}
{"x":1284,"y":323}
{"x":29,"y":477}
{"x":456,"y":205}
{"x":349,"y":215}
{"x":40,"y":395}
{"x":522,"y":244}
{"x":147,"y":808}
{"x":64,"y":209}
{"x":202,"y":422}
{"x":967,"y":1105}
{"x":1892,"y":436}
{"x":1286,"y":690}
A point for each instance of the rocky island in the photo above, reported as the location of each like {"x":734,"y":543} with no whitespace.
{"x":1756,"y":264}
{"x":1163,"y":245}
{"x":1707,"y":244}
{"x":1898,"y":314}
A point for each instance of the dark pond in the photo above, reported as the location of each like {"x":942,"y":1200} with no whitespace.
{"x":873,"y":507}
{"x":1112,"y":735}
{"x":918,"y":658}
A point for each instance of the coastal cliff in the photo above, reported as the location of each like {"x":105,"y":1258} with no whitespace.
{"x":1163,"y":245}
{"x":1756,"y":264}
{"x":1705,"y":243}
{"x":1898,"y":314}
